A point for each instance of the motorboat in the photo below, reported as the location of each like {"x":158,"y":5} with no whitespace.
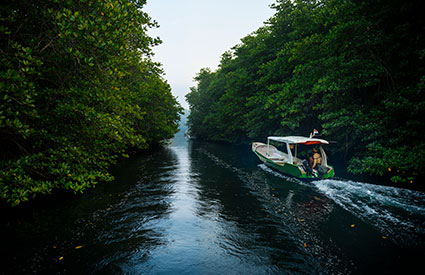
{"x":280,"y":153}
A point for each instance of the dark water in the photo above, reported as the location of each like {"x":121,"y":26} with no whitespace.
{"x":202,"y":208}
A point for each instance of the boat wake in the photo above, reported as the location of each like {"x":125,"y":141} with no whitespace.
{"x":277,"y":174}
{"x":395,"y":212}
{"x":290,"y":213}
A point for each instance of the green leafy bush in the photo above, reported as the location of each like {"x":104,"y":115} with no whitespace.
{"x":352,"y":69}
{"x":77,"y":90}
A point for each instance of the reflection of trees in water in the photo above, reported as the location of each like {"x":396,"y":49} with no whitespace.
{"x":137,"y":223}
{"x":115,"y":223}
{"x":280,"y":216}
{"x":249,"y":209}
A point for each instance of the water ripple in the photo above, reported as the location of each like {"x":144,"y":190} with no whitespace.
{"x":396,"y":212}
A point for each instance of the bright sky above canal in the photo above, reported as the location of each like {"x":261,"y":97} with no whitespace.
{"x":195,"y":33}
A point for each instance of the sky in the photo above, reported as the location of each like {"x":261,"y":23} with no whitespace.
{"x":195,"y":33}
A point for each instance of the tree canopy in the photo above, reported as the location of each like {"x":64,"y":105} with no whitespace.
{"x":352,"y":69}
{"x":78,"y":89}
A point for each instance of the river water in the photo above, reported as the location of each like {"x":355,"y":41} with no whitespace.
{"x":206,"y":208}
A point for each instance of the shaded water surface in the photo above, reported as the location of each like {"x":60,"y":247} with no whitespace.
{"x":202,"y":208}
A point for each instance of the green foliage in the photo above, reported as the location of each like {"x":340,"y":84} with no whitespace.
{"x":352,"y":69}
{"x":77,"y":90}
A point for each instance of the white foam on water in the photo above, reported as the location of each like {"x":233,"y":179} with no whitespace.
{"x":290,"y":213}
{"x":395,"y":212}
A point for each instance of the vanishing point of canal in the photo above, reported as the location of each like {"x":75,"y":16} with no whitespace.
{"x":204,"y":208}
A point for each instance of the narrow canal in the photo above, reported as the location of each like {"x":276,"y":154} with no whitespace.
{"x":203,"y":208}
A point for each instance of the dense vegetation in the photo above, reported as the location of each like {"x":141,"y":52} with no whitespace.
{"x":352,"y":69}
{"x":78,"y":89}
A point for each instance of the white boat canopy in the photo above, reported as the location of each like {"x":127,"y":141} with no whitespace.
{"x":298,"y":140}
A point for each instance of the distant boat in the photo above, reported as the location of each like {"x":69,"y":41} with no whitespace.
{"x":286,"y":160}
{"x":187,"y":134}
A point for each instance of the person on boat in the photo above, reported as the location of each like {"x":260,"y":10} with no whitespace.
{"x":315,"y":159}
